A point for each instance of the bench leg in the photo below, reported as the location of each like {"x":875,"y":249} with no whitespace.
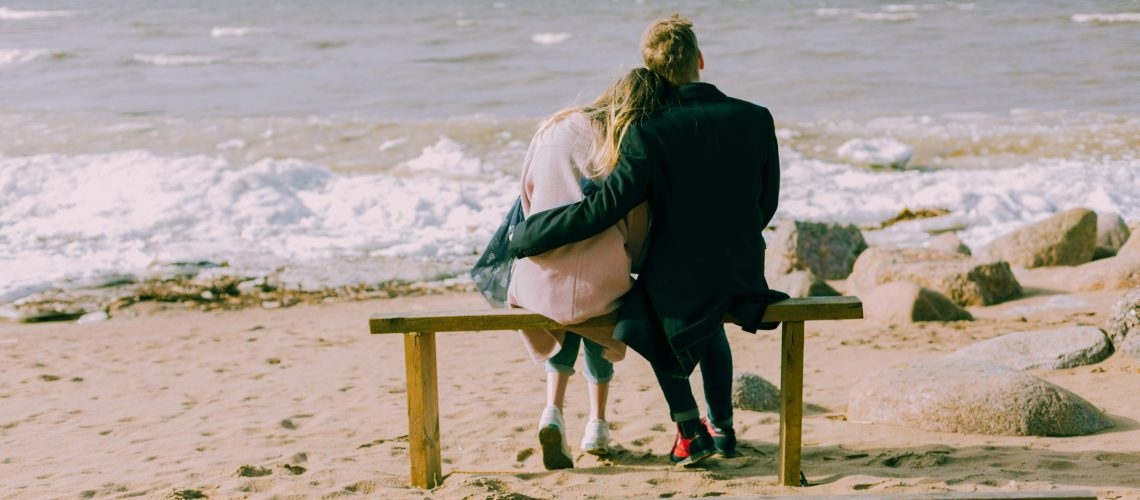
{"x":423,"y":409}
{"x":791,"y":401}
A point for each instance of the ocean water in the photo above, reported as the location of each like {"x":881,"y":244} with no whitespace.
{"x":341,"y":142}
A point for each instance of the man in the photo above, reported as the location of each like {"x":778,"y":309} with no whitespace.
{"x":709,"y":167}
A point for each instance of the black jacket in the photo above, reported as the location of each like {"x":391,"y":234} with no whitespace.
{"x":709,"y":167}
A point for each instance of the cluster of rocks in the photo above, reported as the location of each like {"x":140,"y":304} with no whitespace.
{"x":200,"y":293}
{"x":981,"y":388}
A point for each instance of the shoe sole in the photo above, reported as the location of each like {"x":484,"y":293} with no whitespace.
{"x":693,"y":460}
{"x":552,"y":457}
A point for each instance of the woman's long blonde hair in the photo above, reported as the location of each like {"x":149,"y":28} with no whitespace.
{"x":629,"y":100}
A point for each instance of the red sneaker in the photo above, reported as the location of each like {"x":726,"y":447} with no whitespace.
{"x":724,"y":439}
{"x":689,"y":452}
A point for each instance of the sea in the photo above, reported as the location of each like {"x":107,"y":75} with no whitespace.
{"x":339,"y":142}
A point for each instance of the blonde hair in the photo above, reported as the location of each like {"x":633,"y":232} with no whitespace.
{"x":629,"y":100}
{"x":669,"y":47}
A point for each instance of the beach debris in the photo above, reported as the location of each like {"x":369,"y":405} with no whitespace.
{"x":1114,"y":273}
{"x":827,"y":250}
{"x":1052,"y":349}
{"x":803,"y":284}
{"x":93,"y":317}
{"x":901,"y":302}
{"x":1124,"y":318}
{"x":971,"y":397}
{"x":949,"y":242}
{"x":907,"y":214}
{"x":965,"y":281}
{"x":1111,"y":234}
{"x":751,"y":392}
{"x":253,"y":471}
{"x":295,"y":470}
{"x":1065,"y":239}
{"x":880,"y":152}
{"x":188,"y":495}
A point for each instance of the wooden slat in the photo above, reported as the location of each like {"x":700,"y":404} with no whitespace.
{"x":423,"y":410}
{"x":804,"y":309}
{"x":791,"y":401}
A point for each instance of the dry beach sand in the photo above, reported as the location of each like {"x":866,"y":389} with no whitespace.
{"x":303,"y":403}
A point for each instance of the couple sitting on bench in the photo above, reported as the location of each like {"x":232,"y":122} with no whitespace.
{"x":705,"y":166}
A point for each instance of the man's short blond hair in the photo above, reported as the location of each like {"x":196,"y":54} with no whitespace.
{"x":669,"y":47}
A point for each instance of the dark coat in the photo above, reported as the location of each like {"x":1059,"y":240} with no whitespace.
{"x":709,"y":166}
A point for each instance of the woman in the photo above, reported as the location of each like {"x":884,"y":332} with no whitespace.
{"x":572,"y":149}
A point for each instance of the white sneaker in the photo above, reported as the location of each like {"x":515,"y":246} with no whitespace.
{"x":552,"y":437}
{"x":597,"y":438}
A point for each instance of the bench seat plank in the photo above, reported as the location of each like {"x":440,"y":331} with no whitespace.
{"x":801,"y":309}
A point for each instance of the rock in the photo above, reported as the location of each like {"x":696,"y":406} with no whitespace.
{"x":828,"y":250}
{"x":803,"y":284}
{"x":1051,"y":349}
{"x":1114,"y":273}
{"x":963,"y":280}
{"x":1111,"y":233}
{"x":954,"y":395}
{"x":1130,"y":248}
{"x":751,"y":392}
{"x":878,"y":152}
{"x":949,"y":242}
{"x":902,"y":302}
{"x":1124,"y":318}
{"x":1065,"y":239}
{"x":1131,"y":346}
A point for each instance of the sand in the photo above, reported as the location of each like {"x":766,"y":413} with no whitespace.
{"x":303,"y":403}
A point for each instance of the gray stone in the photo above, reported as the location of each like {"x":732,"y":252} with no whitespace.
{"x":963,"y":280}
{"x":1114,"y":273}
{"x":827,"y":250}
{"x":1131,"y":346}
{"x":953,"y":395}
{"x":751,"y":392}
{"x":949,"y":242}
{"x":1050,"y":349}
{"x":1065,"y":239}
{"x":903,"y":302}
{"x":803,"y":284}
{"x":1124,"y":318}
{"x":1111,"y":233}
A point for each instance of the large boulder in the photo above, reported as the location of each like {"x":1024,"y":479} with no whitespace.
{"x":965,"y":281}
{"x":953,"y":395}
{"x":827,"y":250}
{"x":803,"y":284}
{"x":1050,"y":349}
{"x":903,"y":302}
{"x":948,"y":242}
{"x":1131,"y":346}
{"x":1130,"y":248}
{"x":1065,"y":239}
{"x":1114,"y":273}
{"x":1124,"y":318}
{"x":751,"y":392}
{"x":1111,"y":233}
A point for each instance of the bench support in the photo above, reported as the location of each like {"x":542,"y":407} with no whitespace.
{"x":791,"y":401}
{"x":423,"y":409}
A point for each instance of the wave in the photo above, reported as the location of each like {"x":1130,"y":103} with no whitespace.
{"x":194,"y":60}
{"x":1124,"y":17}
{"x":17,"y":56}
{"x":894,"y":17}
{"x":20,"y":15}
{"x":550,"y":38}
{"x":236,"y":31}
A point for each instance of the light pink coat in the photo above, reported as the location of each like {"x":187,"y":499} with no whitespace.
{"x":582,"y":280}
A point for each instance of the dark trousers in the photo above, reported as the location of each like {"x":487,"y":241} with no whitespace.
{"x":716,"y":371}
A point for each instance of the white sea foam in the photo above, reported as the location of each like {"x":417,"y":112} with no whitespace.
{"x":830,"y":11}
{"x":877,"y":152}
{"x":20,"y":15}
{"x":68,"y":218}
{"x":17,"y":56}
{"x":1123,"y":17}
{"x":893,"y":17}
{"x":550,"y":38}
{"x":236,"y":31}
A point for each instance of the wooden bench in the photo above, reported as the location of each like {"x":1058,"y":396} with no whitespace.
{"x":419,"y":331}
